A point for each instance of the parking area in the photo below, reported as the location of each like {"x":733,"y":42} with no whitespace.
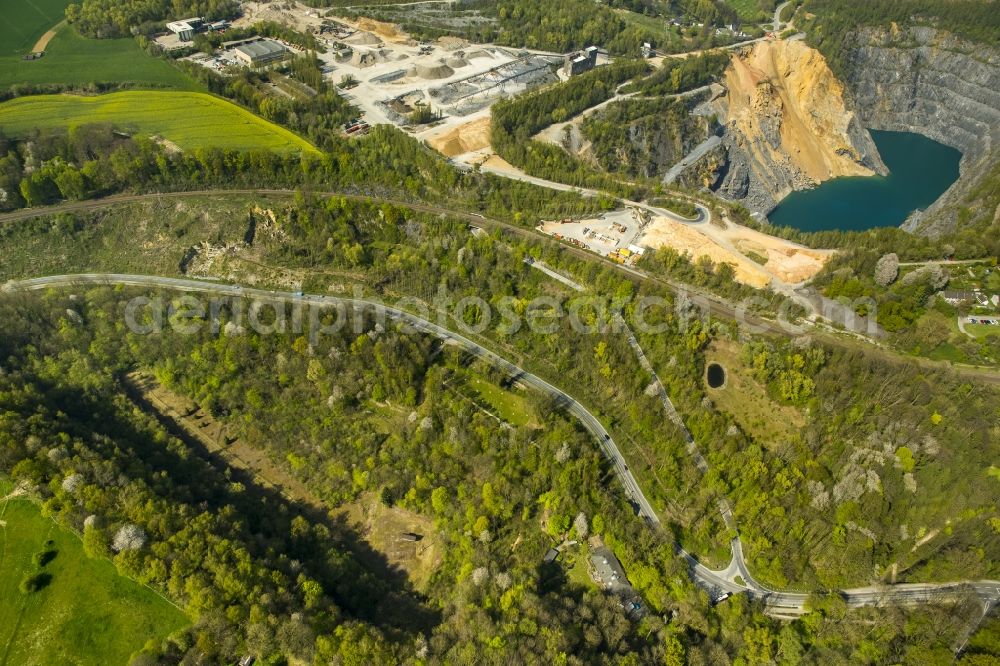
{"x":613,"y":234}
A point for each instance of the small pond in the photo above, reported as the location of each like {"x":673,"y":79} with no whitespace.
{"x":716,"y":375}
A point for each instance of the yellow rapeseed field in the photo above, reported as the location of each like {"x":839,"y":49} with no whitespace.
{"x":189,"y":119}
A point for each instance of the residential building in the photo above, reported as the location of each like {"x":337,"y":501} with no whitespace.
{"x":957,"y":297}
{"x":607,"y":571}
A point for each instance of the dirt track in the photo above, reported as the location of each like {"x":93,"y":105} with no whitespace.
{"x":44,"y":40}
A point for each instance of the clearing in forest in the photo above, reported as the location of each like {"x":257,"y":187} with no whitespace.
{"x":384,"y":527}
{"x":746,"y":400}
{"x":189,"y":119}
{"x":381,"y":526}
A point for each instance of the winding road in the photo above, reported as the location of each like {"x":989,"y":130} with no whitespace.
{"x":708,"y":302}
{"x":782,"y":604}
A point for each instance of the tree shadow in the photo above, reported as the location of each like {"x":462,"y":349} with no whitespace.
{"x":35,"y":582}
{"x":359,"y":579}
{"x":42,"y":558}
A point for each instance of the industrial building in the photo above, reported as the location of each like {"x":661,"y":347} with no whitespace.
{"x":186,"y":29}
{"x":259,"y":52}
{"x":581,"y":61}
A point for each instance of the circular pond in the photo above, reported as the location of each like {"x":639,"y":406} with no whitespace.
{"x":716,"y":375}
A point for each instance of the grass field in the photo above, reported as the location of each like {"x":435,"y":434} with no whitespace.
{"x":87,"y":614}
{"x":27,"y":20}
{"x":982,"y":330}
{"x":189,"y":119}
{"x":74,"y":60}
{"x":666,"y":34}
{"x":511,"y":407}
{"x":748,"y":10}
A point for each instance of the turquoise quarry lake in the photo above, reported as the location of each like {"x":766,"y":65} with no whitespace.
{"x":920,"y":170}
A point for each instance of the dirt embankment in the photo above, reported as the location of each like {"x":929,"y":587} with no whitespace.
{"x":788,"y":123}
{"x":463,"y":138}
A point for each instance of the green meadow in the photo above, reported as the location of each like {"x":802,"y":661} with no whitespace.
{"x":25,"y":21}
{"x":85,"y":613}
{"x":71,"y":59}
{"x":189,"y":119}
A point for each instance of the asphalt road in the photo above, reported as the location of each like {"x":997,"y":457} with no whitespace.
{"x":777,"y":16}
{"x":709,"y":303}
{"x":715,"y":582}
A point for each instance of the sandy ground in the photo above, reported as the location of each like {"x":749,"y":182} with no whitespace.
{"x":386,"y":31}
{"x":44,"y":40}
{"x":303,"y":17}
{"x":786,"y":261}
{"x":167,"y":144}
{"x":497,"y":163}
{"x":792,"y":81}
{"x":298,"y":18}
{"x":382,"y":527}
{"x":465,"y":138}
{"x":664,"y":232}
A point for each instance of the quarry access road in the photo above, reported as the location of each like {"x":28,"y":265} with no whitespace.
{"x":777,"y":16}
{"x":778,"y":603}
{"x":696,"y":154}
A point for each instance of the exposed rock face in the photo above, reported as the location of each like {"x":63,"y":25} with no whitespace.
{"x":637,"y":137}
{"x":933,"y":83}
{"x":788,"y":125}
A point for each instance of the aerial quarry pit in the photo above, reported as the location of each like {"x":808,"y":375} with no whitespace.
{"x":394,"y":75}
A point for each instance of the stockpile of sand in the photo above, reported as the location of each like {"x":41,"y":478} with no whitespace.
{"x":369,"y":58}
{"x":462,"y":139}
{"x":439,"y":70}
{"x":452,"y":43}
{"x":363,"y":39}
{"x":456,"y":63}
{"x":479,"y":53}
{"x":385,"y":30}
